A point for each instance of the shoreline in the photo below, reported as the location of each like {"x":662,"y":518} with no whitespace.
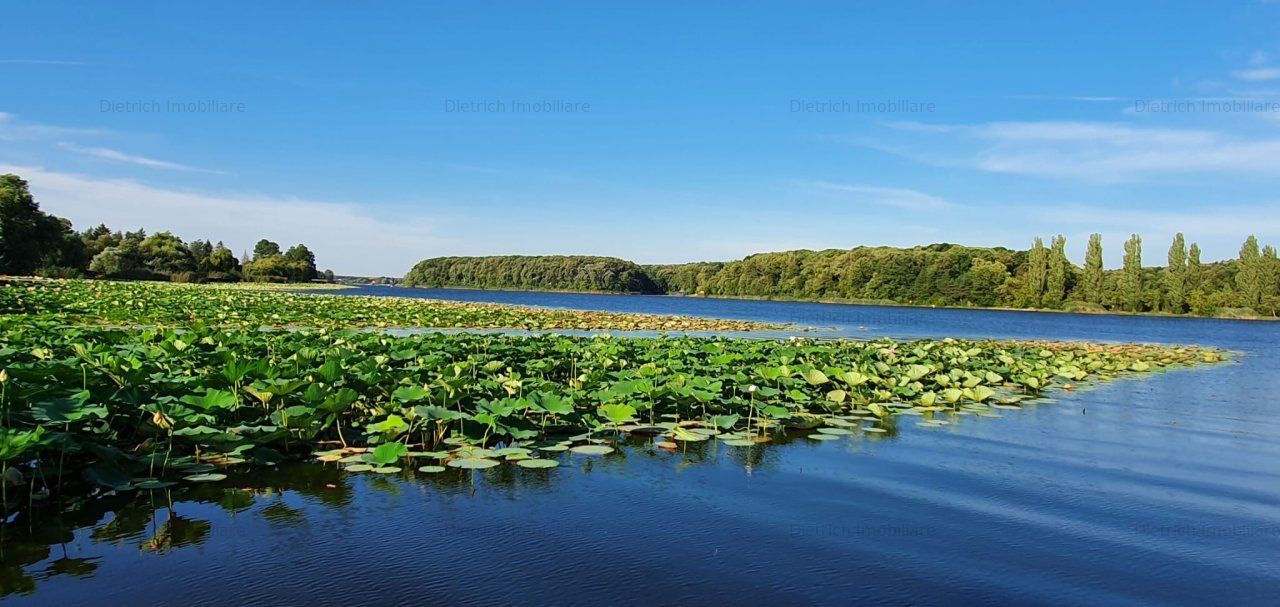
{"x":848,"y":302}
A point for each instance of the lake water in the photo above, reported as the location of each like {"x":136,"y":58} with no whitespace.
{"x":1161,"y":490}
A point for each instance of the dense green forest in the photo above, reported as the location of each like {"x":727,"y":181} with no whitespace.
{"x":936,"y":274}
{"x":1041,"y":277}
{"x":34,"y":242}
{"x":939,"y":274}
{"x":542,"y":272}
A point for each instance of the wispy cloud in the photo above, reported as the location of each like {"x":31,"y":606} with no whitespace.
{"x":1231,"y":222}
{"x":38,"y":62}
{"x":1086,"y":98}
{"x":342,"y":235}
{"x":116,"y":155}
{"x":894,"y":197}
{"x":1258,"y":74}
{"x":13,"y":128}
{"x":1260,"y":68}
{"x":1099,"y":151}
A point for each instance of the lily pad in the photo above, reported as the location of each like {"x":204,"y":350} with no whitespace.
{"x":207,"y":477}
{"x":475,"y":452}
{"x":473,"y":463}
{"x":592,"y":450}
{"x":509,"y":451}
{"x":537,"y":463}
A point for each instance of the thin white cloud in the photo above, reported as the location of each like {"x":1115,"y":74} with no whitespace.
{"x":1258,"y":74}
{"x":38,"y":62}
{"x":116,"y":155}
{"x":1088,"y":132}
{"x":12,"y":128}
{"x":1232,"y":221}
{"x":1100,"y":151}
{"x":922,"y":127}
{"x":343,"y":236}
{"x":1088,"y":98}
{"x":894,"y":197}
{"x":1217,"y":228}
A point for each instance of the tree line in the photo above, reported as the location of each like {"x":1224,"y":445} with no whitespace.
{"x":1041,"y":277}
{"x":533,"y":272}
{"x":1249,"y":283}
{"x":34,"y":242}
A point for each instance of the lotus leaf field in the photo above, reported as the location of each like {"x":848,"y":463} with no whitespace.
{"x":253,"y":306}
{"x":128,"y":407}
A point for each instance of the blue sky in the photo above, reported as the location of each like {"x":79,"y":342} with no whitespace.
{"x":676,"y":131}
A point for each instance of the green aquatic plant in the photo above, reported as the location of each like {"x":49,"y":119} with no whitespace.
{"x":252,"y":306}
{"x":129,"y":408}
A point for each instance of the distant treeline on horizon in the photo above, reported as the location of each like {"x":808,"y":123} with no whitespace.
{"x":33,"y":242}
{"x":938,"y":274}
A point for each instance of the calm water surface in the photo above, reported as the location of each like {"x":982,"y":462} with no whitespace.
{"x":1164,"y":490}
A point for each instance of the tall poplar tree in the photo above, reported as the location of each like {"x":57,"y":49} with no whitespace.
{"x":1271,"y":279}
{"x":1131,"y":277}
{"x":1037,"y":270}
{"x":1175,"y":276}
{"x":1249,"y":276}
{"x":1093,"y":283}
{"x":1055,"y":288}
{"x":1194,"y":269}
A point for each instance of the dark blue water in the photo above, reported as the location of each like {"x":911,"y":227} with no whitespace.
{"x":1161,"y":490}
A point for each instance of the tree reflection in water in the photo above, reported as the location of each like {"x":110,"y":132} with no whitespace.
{"x":34,"y":544}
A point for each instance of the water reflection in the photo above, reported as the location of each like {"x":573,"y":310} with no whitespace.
{"x":1050,"y":504}
{"x":34,"y":545}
